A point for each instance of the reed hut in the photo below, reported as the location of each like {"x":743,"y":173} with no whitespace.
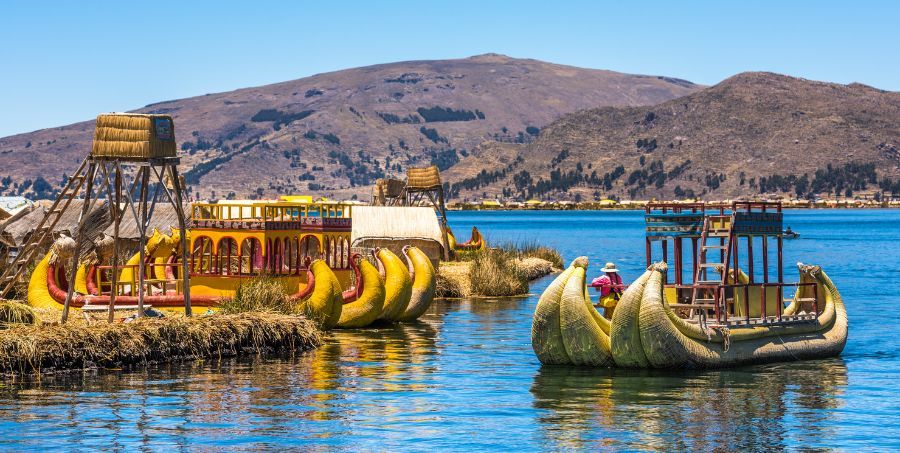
{"x":393,"y":227}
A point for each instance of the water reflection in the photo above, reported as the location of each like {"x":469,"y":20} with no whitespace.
{"x":270,"y":401}
{"x":768,"y":407}
{"x":389,"y":359}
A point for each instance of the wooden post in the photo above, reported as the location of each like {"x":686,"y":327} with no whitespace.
{"x":649,"y":250}
{"x":747,"y":302}
{"x":142,"y":228}
{"x":443,"y":209}
{"x":79,"y":239}
{"x":678,"y":266}
{"x":762,"y":302}
{"x":182,"y":225}
{"x":749,"y":258}
{"x":694,"y":257}
{"x":115,"y":258}
{"x":665,"y":258}
{"x":780,"y":278}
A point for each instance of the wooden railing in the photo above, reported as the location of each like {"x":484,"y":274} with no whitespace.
{"x":269,"y":212}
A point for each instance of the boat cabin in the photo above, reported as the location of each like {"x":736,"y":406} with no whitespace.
{"x":725,"y":263}
{"x":231,"y":241}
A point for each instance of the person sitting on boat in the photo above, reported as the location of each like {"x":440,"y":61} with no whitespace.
{"x":610,"y":287}
{"x":789,"y":231}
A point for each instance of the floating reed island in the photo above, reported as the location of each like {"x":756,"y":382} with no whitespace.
{"x":496,"y":271}
{"x":30,"y":346}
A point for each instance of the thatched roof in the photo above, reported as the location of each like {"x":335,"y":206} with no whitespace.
{"x":134,"y":136}
{"x":395,"y":222}
{"x":423,"y":178}
{"x":17,"y":231}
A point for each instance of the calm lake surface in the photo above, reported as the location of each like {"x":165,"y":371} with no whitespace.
{"x":465,"y":378}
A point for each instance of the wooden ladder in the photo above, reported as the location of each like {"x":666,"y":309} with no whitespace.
{"x":707,"y":293}
{"x":43,"y":232}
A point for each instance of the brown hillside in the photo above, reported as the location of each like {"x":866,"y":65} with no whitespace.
{"x":717,"y":143}
{"x":334,"y":133}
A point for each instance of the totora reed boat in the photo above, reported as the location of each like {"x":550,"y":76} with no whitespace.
{"x":714,"y":314}
{"x":303,"y":246}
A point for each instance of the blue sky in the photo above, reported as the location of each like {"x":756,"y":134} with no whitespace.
{"x":67,"y":61}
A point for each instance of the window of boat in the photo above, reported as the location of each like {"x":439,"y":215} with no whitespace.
{"x":228,"y":256}
{"x":275,"y":256}
{"x":282,"y":255}
{"x":331,"y":251}
{"x":291,"y":255}
{"x":345,"y":253}
{"x":309,"y":248}
{"x":338,"y":252}
{"x":251,"y":256}
{"x":202,"y":256}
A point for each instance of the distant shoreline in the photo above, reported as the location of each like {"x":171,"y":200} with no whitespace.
{"x":641,"y":208}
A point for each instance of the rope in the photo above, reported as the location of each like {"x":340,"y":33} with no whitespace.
{"x":726,"y":337}
{"x":785,"y":346}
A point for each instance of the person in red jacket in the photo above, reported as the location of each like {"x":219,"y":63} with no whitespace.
{"x":611,"y":288}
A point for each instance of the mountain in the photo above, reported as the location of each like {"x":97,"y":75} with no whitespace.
{"x":335,"y":133}
{"x":751,"y":134}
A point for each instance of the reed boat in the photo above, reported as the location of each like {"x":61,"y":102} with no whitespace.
{"x":475,"y":243}
{"x":726,"y":308}
{"x":304,"y":246}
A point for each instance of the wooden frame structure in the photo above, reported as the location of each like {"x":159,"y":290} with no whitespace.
{"x":104,"y":178}
{"x":718,"y":229}
{"x":423,"y":187}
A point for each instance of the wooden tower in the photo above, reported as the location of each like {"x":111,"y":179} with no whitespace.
{"x":132,"y":165}
{"x":422,"y":188}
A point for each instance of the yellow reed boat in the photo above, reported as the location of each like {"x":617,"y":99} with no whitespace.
{"x":728,"y":308}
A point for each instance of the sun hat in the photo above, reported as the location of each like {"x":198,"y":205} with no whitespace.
{"x":610,"y":267}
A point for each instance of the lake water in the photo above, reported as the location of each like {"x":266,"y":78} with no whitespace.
{"x":465,"y":378}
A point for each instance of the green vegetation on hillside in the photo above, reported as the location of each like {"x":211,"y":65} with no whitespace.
{"x":439,"y":114}
{"x":433,"y":135}
{"x":391,"y":118}
{"x":279,"y":118}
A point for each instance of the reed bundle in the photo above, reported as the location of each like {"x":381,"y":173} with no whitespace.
{"x":423,"y":178}
{"x":12,"y":313}
{"x":260,"y":294}
{"x":134,"y":136}
{"x":493,"y":273}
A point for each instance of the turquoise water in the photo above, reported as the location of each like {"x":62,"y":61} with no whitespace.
{"x":466,"y":379}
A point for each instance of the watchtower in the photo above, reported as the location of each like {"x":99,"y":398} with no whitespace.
{"x":422,"y":188}
{"x":132,"y":165}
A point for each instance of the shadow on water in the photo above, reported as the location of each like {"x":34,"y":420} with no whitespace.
{"x":763,"y":407}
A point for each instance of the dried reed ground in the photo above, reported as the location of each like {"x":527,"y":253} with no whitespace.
{"x":260,"y":294}
{"x":494,"y":272}
{"x":35,"y":349}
